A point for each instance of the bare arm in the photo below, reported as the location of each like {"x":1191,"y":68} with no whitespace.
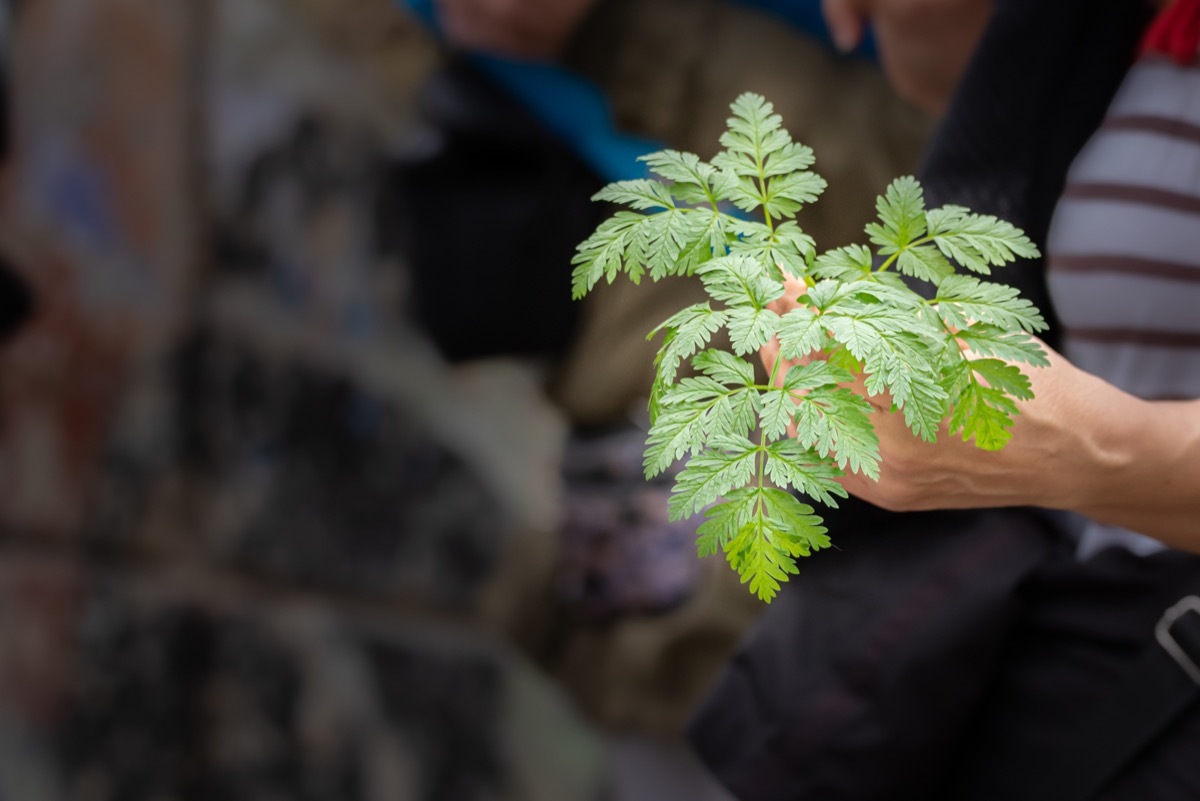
{"x":1080,"y":445}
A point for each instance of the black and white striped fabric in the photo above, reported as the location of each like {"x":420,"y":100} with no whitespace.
{"x":1124,"y":250}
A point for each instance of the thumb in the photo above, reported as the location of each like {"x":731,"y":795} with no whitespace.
{"x":845,"y":23}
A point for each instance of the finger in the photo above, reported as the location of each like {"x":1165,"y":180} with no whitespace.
{"x":845,"y":21}
{"x":485,"y":26}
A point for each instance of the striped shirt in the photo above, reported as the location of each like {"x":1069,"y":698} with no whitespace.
{"x":1124,"y":250}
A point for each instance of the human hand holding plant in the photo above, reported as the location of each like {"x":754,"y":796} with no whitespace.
{"x":847,"y":326}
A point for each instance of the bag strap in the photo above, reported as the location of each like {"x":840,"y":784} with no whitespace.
{"x":1157,"y":690}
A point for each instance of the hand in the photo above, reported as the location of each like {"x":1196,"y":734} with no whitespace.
{"x":924,"y":45}
{"x":1056,"y":459}
{"x":1080,"y":445}
{"x":525,"y":29}
{"x":1045,"y":463}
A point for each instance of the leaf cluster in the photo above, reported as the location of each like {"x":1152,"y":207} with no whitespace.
{"x":947,"y":359}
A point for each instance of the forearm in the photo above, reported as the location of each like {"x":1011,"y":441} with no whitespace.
{"x":1147,"y":476}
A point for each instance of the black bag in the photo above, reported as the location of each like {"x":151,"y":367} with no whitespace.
{"x":860,"y":677}
{"x":964,"y":657}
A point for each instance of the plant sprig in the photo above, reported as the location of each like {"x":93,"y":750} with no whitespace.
{"x":946,"y":360}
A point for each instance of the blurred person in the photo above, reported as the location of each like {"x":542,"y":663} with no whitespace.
{"x":1072,"y":673}
{"x":924,"y":45}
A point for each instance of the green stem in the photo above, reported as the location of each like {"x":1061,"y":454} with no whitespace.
{"x":892,"y":258}
{"x":762,"y":190}
{"x":761,"y":459}
{"x":774,"y":371}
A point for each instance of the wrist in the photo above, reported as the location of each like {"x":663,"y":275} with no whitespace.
{"x":1091,"y":445}
{"x":1139,"y":455}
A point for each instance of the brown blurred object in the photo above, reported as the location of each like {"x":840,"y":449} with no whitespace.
{"x":924,"y":45}
{"x":102,"y":215}
{"x":394,"y":49}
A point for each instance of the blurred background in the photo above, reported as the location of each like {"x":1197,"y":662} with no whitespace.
{"x":314,"y":482}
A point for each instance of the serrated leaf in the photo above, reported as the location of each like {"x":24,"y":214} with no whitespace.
{"x":849,"y":298}
{"x":742,"y":191}
{"x":703,"y":239}
{"x":791,"y":158}
{"x":983,"y":414}
{"x":901,"y":216}
{"x":962,"y":300}
{"x":978,"y":241}
{"x":877,"y":290}
{"x":687,"y":427}
{"x":815,"y":375}
{"x":1003,"y":376}
{"x":786,"y":248}
{"x":787,"y":194}
{"x":676,"y":431}
{"x":688,"y":330}
{"x":850,"y":263}
{"x":923,"y":404}
{"x":640,"y":194}
{"x":678,"y":241}
{"x":778,"y":409}
{"x":800,"y":333}
{"x":724,"y":520}
{"x":1013,"y":346}
{"x":739,"y":281}
{"x":692,"y":178}
{"x":708,"y":476}
{"x":924,"y":262}
{"x":724,"y":367}
{"x":860,"y":335}
{"x":693,"y":389}
{"x":799,"y":529}
{"x":836,"y":422}
{"x":791,"y":464}
{"x":602,"y":254}
{"x":751,"y":328}
{"x":737,"y":415}
{"x":897,"y":359}
{"x":754,"y":135}
{"x":760,"y":559}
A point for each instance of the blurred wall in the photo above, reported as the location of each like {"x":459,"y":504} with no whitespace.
{"x":256,"y":540}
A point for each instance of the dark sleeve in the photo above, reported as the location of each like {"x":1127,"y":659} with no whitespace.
{"x":16,"y":301}
{"x":1035,"y":92}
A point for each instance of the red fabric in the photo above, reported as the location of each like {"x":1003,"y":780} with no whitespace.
{"x":1175,"y":32}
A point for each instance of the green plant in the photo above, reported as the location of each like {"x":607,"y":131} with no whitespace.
{"x":944,"y":359}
